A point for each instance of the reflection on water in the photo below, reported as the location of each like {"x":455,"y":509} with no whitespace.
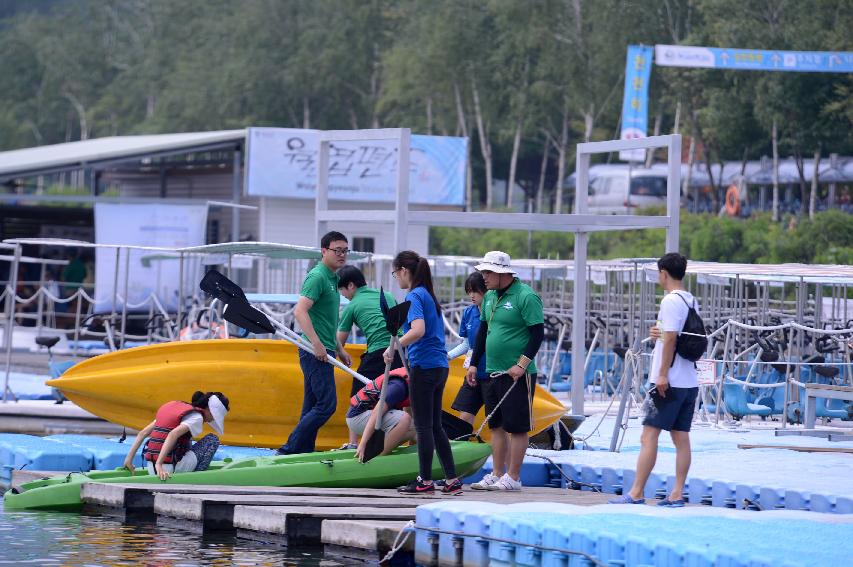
{"x":45,"y":538}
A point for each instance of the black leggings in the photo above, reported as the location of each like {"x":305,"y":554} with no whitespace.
{"x":426,"y":387}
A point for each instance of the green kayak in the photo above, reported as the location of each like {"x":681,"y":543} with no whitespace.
{"x":331,"y":469}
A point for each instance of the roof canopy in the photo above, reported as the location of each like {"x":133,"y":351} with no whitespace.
{"x":71,"y":155}
{"x":255,"y":249}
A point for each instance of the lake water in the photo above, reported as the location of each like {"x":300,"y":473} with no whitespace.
{"x":48,"y":538}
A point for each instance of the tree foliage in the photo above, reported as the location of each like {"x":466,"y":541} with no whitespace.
{"x":525,"y":81}
{"x":827,"y":239}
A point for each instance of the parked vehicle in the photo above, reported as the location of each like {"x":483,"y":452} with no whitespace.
{"x":621,"y":190}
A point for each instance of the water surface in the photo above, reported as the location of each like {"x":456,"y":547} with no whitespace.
{"x":52,"y":538}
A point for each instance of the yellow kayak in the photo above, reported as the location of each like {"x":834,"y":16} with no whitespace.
{"x":261,"y":378}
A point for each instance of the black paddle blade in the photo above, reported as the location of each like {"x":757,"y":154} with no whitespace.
{"x":456,"y":429}
{"x":237,"y":309}
{"x":374,"y":446}
{"x":220,"y":287}
{"x":383,"y":303}
{"x":395,"y":316}
{"x":240,"y":313}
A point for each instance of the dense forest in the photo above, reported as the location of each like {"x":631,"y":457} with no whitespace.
{"x":524,"y":80}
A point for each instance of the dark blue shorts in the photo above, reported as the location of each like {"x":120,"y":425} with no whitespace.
{"x":672,"y":413}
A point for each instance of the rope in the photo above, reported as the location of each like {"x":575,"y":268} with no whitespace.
{"x":476,"y":434}
{"x":630,"y":356}
{"x":397,"y":545}
{"x":778,"y":362}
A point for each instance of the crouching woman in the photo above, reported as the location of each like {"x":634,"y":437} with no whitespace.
{"x":169,"y":447}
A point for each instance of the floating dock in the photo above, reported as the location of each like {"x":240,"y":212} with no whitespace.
{"x":355,"y":523}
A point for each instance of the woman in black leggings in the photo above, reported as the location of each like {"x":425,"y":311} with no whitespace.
{"x":424,"y":337}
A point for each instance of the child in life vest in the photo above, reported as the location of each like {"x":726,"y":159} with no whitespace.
{"x":169,"y":447}
{"x":396,"y":421}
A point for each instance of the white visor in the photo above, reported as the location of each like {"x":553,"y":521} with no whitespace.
{"x":218,"y":411}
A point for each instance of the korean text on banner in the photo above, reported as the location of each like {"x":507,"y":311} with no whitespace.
{"x":282,"y":162}
{"x":635,"y":113}
{"x":754,"y":59}
{"x":160,"y":226}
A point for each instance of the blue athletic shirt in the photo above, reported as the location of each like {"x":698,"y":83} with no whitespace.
{"x":468,"y":329}
{"x":428,"y":351}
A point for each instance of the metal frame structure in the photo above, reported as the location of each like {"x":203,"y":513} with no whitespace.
{"x":580,"y":223}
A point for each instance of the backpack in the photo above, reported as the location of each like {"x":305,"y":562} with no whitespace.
{"x":691,"y":343}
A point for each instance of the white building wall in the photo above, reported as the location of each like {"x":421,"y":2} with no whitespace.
{"x":288,"y":221}
{"x":291,"y":221}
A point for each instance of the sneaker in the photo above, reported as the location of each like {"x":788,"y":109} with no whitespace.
{"x":347,"y":447}
{"x":439,"y":483}
{"x":417,"y":486}
{"x":485,"y":482}
{"x":678,"y":503}
{"x":454,"y":487}
{"x":626,"y":499}
{"x":506,"y":482}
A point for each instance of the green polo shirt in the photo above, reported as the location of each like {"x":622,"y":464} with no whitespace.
{"x":508,"y":318}
{"x":364,"y":311}
{"x":321,"y":287}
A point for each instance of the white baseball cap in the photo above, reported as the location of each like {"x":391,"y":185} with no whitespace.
{"x":217,"y":410}
{"x":496,"y":261}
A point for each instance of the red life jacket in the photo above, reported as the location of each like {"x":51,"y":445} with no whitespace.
{"x":168,"y":417}
{"x":368,"y":396}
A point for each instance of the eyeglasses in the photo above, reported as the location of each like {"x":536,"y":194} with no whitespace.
{"x":394,"y":273}
{"x":340,"y":251}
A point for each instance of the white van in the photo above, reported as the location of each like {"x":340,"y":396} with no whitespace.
{"x":620,"y":190}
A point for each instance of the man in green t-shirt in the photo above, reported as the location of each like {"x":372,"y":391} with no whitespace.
{"x":317,"y":313}
{"x":510,"y":334}
{"x":363,"y":310}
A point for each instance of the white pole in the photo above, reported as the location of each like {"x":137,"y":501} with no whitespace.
{"x":579,"y":296}
{"x":401,"y":221}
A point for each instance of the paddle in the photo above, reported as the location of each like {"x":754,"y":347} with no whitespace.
{"x":239,"y":312}
{"x":394,"y":319}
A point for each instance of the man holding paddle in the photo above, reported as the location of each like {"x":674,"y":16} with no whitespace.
{"x":317,"y":313}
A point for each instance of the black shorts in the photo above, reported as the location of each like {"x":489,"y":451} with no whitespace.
{"x":372,"y":366}
{"x":515,"y":414}
{"x":469,"y":400}
{"x":672,"y":413}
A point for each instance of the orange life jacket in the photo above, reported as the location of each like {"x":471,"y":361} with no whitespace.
{"x":368,"y":396}
{"x":168,"y":417}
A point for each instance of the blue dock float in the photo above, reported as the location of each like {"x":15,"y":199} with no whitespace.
{"x":82,"y":453}
{"x":549,"y":534}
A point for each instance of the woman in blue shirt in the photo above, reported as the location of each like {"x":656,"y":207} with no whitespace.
{"x":469,"y":400}
{"x":424,"y":337}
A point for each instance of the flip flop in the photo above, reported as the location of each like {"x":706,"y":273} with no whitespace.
{"x":626,"y":499}
{"x":666,"y":502}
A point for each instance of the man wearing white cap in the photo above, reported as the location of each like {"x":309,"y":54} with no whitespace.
{"x":510,"y":334}
{"x":169,"y":448}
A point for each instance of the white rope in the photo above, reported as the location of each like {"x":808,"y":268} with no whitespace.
{"x":630,"y":356}
{"x":493,"y":376}
{"x":764,"y":362}
{"x":734,"y":380}
{"x":408,"y":529}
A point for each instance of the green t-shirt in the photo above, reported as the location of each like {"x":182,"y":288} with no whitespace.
{"x":74,"y":273}
{"x":321,"y":286}
{"x":508,"y":318}
{"x":364,"y":311}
